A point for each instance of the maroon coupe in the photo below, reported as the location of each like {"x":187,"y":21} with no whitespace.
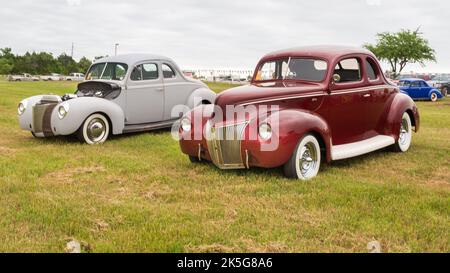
{"x":303,"y":106}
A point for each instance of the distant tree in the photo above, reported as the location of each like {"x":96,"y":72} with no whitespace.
{"x":83,"y":64}
{"x":401,"y":48}
{"x":6,"y":61}
{"x":5,"y":66}
{"x":66,"y":64}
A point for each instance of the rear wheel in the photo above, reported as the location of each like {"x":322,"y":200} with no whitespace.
{"x":405,"y":135}
{"x":304,"y":163}
{"x":433,"y":97}
{"x":94,"y":130}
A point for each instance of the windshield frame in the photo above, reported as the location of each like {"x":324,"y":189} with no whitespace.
{"x":125,"y":65}
{"x":289,"y":58}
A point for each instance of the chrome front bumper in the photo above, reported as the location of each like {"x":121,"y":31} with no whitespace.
{"x":224,"y":145}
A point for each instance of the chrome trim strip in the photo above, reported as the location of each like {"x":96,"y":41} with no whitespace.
{"x":321,"y":93}
{"x":317,"y":94}
{"x":359,"y":89}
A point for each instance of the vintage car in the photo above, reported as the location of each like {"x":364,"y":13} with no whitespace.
{"x":121,"y":94}
{"x":304,"y":106}
{"x":441,"y":82}
{"x":23,"y":77}
{"x":419,"y":89}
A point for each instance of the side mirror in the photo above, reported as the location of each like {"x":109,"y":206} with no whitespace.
{"x":336,"y":78}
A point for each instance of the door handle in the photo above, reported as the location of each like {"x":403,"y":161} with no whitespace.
{"x":160,"y":89}
{"x":366,"y":95}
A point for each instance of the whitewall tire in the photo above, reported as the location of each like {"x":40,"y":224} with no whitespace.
{"x":304,"y":163}
{"x":433,"y":97}
{"x":405,"y":134}
{"x":94,"y":130}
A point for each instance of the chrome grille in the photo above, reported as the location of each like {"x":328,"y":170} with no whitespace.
{"x":42,"y":117}
{"x":224,"y":145}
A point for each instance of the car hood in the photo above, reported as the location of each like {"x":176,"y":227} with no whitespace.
{"x":256,"y":93}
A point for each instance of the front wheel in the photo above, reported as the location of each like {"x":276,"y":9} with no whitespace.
{"x":433,"y":97}
{"x":304,"y":163}
{"x":94,"y":130}
{"x":405,"y":134}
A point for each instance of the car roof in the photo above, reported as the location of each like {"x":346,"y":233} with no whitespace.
{"x":411,"y":79}
{"x":131,"y":59}
{"x":321,"y":51}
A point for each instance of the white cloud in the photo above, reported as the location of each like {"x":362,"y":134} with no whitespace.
{"x":202,"y":33}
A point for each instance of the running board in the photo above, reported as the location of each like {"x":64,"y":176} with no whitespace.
{"x":147,"y":126}
{"x":361,"y":147}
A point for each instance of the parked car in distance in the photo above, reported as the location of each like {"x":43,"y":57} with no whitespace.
{"x":121,"y":94}
{"x":419,"y":89}
{"x":330,"y":102}
{"x":22,"y":77}
{"x":52,"y":77}
{"x":441,"y":82}
{"x":75,"y":77}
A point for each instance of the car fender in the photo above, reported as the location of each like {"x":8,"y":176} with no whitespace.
{"x":81,"y":108}
{"x":401,"y":103}
{"x":437,"y":91}
{"x":289,"y":126}
{"x":26,"y":119}
{"x":200,"y":94}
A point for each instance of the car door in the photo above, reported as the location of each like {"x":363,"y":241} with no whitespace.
{"x":348,"y":102}
{"x":145,"y":94}
{"x":176,"y":89}
{"x":377,"y":102}
{"x":415,"y":90}
{"x":424,"y":89}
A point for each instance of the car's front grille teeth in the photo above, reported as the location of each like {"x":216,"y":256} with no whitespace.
{"x":42,"y":112}
{"x":224,"y":145}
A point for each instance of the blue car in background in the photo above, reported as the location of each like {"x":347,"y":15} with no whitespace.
{"x":419,"y":89}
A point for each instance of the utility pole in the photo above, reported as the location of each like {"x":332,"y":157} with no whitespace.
{"x":71,"y":54}
{"x":115,"y":49}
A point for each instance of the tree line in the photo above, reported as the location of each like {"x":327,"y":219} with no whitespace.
{"x":40,"y":63}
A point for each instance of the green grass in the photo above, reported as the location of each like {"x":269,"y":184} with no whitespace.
{"x":138,"y":193}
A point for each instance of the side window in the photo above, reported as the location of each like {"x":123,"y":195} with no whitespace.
{"x":144,"y":72}
{"x":149,"y":72}
{"x":371,"y":69}
{"x":349,"y":70}
{"x":136,"y":74}
{"x":415,"y":84}
{"x":168,"y":72}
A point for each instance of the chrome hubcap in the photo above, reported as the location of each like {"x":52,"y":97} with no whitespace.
{"x":404,"y":131}
{"x":96,"y":130}
{"x":308,"y":160}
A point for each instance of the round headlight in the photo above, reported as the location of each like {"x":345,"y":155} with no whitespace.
{"x":186,"y":124}
{"x":21,"y":108}
{"x":265,"y":131}
{"x":62,"y":112}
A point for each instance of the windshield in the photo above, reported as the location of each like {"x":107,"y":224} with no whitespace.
{"x":302,"y":69}
{"x":403,"y":83}
{"x":107,"y":71}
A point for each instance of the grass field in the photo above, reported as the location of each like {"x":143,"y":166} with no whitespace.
{"x":140,"y":193}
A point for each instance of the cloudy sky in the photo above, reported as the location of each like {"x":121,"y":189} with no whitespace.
{"x":215,"y":34}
